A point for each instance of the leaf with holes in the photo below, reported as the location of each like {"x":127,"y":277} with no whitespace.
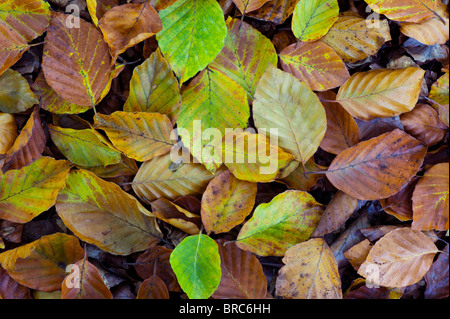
{"x":119,"y":224}
{"x":430,"y":199}
{"x":377,"y":168}
{"x":381,"y":93}
{"x":196,"y":263}
{"x":312,"y":19}
{"x":87,"y":69}
{"x":141,"y":136}
{"x":42,"y":264}
{"x":290,"y":218}
{"x":193,"y":34}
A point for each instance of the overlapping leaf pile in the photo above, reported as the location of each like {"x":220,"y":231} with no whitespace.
{"x":348,"y":101}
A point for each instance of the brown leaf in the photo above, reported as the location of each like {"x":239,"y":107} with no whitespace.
{"x":401,"y":258}
{"x":153,"y":288}
{"x":28,"y":146}
{"x":377,"y":168}
{"x":126,"y":25}
{"x":400,"y":204}
{"x":358,"y":253}
{"x":242,"y":274}
{"x":437,"y":278}
{"x":10,"y":289}
{"x":84,"y":282}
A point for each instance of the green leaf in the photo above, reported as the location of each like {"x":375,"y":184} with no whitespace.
{"x":77,"y":146}
{"x":245,"y":56}
{"x":313,"y":18}
{"x":154,"y":88}
{"x":193,"y":34}
{"x":283,"y":102}
{"x":15,"y":93}
{"x":27,"y":192}
{"x":196,"y":263}
{"x":215,"y":100}
{"x":289,"y":219}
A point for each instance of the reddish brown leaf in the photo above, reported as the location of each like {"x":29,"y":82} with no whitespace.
{"x":153,"y":288}
{"x":10,"y":289}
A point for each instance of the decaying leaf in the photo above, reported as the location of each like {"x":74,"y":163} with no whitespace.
{"x":310,"y":272}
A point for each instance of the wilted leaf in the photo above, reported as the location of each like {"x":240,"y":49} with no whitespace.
{"x":154,"y":88}
{"x":86,"y":71}
{"x":288,"y":105}
{"x":42,"y":264}
{"x":156,"y":179}
{"x":27,"y":192}
{"x":15,"y":93}
{"x":312,"y":19}
{"x":342,"y":131}
{"x":310,"y":272}
{"x":377,"y":168}
{"x":118,"y":223}
{"x":246,"y":55}
{"x":226,"y":202}
{"x":251,"y":157}
{"x":139,"y":135}
{"x":176,"y":216}
{"x":399,"y":259}
{"x":153,"y":288}
{"x":196,"y":263}
{"x":437,"y":277}
{"x":193,"y":34}
{"x":290,"y":218}
{"x":406,"y":10}
{"x":353,"y":40}
{"x":20,"y":22}
{"x":276,"y":11}
{"x":424,"y":124}
{"x":381,"y":93}
{"x":315,"y":64}
{"x":84,"y":282}
{"x":340,"y":208}
{"x":128,"y":24}
{"x":28,"y":146}
{"x":439,"y":95}
{"x":77,"y":145}
{"x":242,"y":274}
{"x":8,"y":131}
{"x":431,"y":199}
{"x":52,"y":102}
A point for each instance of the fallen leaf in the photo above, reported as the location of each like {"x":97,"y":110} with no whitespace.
{"x":41,"y":264}
{"x":226,"y":202}
{"x":431,"y":199}
{"x":358,"y":253}
{"x":15,"y":93}
{"x":400,"y":258}
{"x":10,"y":289}
{"x":381,"y":93}
{"x":377,"y":168}
{"x":437,"y":278}
{"x":8,"y":131}
{"x":430,"y":31}
{"x":276,"y":11}
{"x":439,"y":96}
{"x":400,"y":204}
{"x":310,"y":272}
{"x":97,"y":8}
{"x":290,"y":218}
{"x":153,"y":288}
{"x":246,"y":6}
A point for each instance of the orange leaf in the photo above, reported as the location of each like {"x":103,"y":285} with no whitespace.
{"x":41,"y":264}
{"x":153,"y":288}
{"x":126,"y":25}
{"x":84,"y":282}
{"x":249,"y":5}
{"x":8,"y":131}
{"x":377,"y":168}
{"x":431,"y":198}
{"x":401,"y":258}
{"x":315,"y":64}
